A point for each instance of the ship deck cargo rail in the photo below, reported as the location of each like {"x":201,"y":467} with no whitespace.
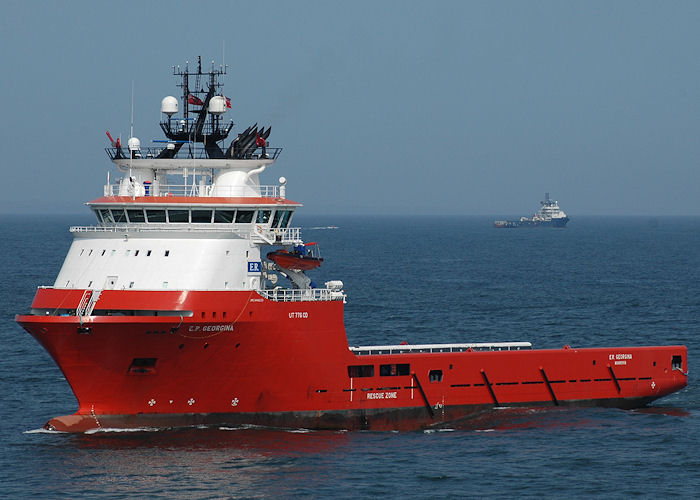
{"x":437,"y":348}
{"x":299,"y":295}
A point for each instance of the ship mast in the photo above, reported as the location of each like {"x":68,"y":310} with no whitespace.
{"x":206,"y":107}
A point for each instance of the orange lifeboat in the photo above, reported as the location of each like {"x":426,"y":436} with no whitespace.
{"x":298,"y":259}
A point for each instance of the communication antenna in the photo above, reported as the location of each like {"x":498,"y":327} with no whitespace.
{"x":131,"y":130}
{"x":131,"y":135}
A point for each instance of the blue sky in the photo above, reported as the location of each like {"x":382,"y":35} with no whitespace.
{"x":387,"y":107}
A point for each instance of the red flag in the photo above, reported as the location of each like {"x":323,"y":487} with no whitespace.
{"x":228,"y":102}
{"x":193,"y":99}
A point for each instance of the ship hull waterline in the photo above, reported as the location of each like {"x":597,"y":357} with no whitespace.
{"x":378,"y":419}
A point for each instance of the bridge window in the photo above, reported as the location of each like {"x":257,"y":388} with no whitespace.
{"x":99,"y":217}
{"x":136,"y":216}
{"x":178,"y":216}
{"x":201,"y":216}
{"x":155,"y":215}
{"x":394,"y":370}
{"x":119,"y":215}
{"x":285,"y":218}
{"x":244,"y":216}
{"x":276,"y":218}
{"x":356,"y":371}
{"x":263,"y":216}
{"x":106,"y":216}
{"x":224,"y":216}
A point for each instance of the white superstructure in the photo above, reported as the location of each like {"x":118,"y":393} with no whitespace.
{"x":189,"y":213}
{"x":550,"y":210}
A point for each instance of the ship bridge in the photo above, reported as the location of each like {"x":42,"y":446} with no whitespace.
{"x":189,"y":212}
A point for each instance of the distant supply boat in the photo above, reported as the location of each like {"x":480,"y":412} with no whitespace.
{"x":550,"y":215}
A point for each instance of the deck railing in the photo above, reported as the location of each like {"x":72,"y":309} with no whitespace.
{"x":192,"y":190}
{"x":188,"y":151}
{"x":306,"y":295}
{"x":287,"y":236}
{"x":439,"y":348}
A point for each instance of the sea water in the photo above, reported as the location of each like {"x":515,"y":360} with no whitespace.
{"x":602,"y":281}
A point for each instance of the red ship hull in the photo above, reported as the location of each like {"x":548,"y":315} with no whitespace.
{"x":231,"y":358}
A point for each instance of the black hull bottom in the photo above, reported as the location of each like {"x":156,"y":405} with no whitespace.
{"x":405,"y":419}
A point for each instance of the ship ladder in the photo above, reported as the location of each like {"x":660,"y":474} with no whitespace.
{"x":85,"y":308}
{"x":260,"y":232}
{"x":83,"y":303}
{"x":94,"y":297}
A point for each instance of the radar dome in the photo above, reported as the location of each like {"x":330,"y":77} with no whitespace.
{"x":217,"y":105}
{"x":134,"y":144}
{"x":168,"y":105}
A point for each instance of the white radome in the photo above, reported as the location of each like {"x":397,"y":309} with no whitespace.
{"x":169,"y":105}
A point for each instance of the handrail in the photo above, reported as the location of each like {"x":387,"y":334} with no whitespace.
{"x":186,"y":152}
{"x":272,"y":236}
{"x":192,"y":190}
{"x":438,"y":348}
{"x":299,"y":295}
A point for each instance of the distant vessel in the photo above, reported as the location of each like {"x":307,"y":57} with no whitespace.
{"x":550,"y":215}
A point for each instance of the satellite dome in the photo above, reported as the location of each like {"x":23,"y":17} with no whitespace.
{"x":217,"y":105}
{"x":169,"y":105}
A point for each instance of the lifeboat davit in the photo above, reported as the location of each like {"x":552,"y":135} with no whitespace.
{"x":298,"y":259}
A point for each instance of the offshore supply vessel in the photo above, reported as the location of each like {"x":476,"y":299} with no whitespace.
{"x":549,"y":215}
{"x":165,"y":312}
